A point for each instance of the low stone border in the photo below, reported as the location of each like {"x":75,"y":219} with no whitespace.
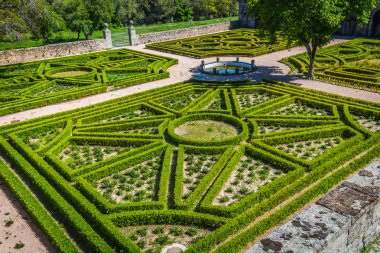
{"x":344,"y":220}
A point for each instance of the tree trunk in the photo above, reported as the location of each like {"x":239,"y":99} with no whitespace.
{"x":312,"y":51}
{"x":88,"y":35}
{"x":78,"y":35}
{"x":310,"y":74}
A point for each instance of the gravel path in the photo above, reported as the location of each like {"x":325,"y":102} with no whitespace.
{"x":17,"y":227}
{"x":268,"y":65}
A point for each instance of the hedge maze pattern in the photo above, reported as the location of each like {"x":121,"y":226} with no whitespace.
{"x":354,"y":64}
{"x":31,"y":85}
{"x":244,"y":42}
{"x":120,"y":178}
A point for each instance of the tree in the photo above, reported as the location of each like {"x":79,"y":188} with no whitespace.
{"x":205,"y":7}
{"x":126,"y":10}
{"x":18,"y":18}
{"x":226,"y":8}
{"x":12,"y":26}
{"x":184,"y":11}
{"x":100,"y":12}
{"x":88,"y":15}
{"x":309,"y":23}
{"x":42,"y":20}
{"x":163,"y":10}
{"x":76,"y":17}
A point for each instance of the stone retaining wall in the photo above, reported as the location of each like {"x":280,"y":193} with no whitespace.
{"x":343,"y":221}
{"x":187,"y":32}
{"x":53,"y":51}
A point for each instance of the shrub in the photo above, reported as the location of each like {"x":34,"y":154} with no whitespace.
{"x":216,"y":188}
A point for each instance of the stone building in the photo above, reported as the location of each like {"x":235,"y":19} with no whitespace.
{"x":349,"y":27}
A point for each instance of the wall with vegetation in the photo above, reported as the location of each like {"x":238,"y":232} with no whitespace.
{"x":187,"y":32}
{"x":52,"y":51}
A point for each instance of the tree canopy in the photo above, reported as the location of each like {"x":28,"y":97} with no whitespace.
{"x":309,"y":23}
{"x":20,"y":19}
{"x":37,"y":17}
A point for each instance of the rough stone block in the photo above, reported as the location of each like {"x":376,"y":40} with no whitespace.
{"x":308,"y":232}
{"x":343,"y":221}
{"x":348,"y":199}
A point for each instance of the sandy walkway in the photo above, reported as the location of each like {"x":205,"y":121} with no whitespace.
{"x":22,"y":231}
{"x":269,"y":67}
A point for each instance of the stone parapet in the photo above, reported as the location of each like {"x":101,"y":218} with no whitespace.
{"x":52,"y":51}
{"x":186,"y":33}
{"x":343,"y":221}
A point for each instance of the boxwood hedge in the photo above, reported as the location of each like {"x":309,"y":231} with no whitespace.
{"x":36,"y":84}
{"x":243,"y":42}
{"x":130,"y":170}
{"x":354,"y":64}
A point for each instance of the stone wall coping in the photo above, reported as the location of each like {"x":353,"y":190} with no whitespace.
{"x":342,"y":221}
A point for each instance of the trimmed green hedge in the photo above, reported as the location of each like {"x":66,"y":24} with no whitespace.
{"x":56,"y":234}
{"x":144,"y":123}
{"x":243,"y":42}
{"x":350,"y":64}
{"x":240,"y":126}
{"x":36,"y":84}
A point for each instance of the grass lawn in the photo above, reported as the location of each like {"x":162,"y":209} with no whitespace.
{"x":206,"y":130}
{"x":119,"y":35}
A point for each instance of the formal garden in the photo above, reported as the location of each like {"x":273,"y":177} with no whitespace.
{"x":197,"y":165}
{"x":135,"y":175}
{"x":35,"y":84}
{"x":245,"y":42}
{"x":354,"y":64}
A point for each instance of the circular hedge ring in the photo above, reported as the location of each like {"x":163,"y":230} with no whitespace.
{"x":240,"y":126}
{"x":73,"y":72}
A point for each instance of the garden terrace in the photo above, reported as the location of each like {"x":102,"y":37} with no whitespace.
{"x":244,"y":42}
{"x":117,"y":176}
{"x":36,"y":84}
{"x":354,"y":64}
